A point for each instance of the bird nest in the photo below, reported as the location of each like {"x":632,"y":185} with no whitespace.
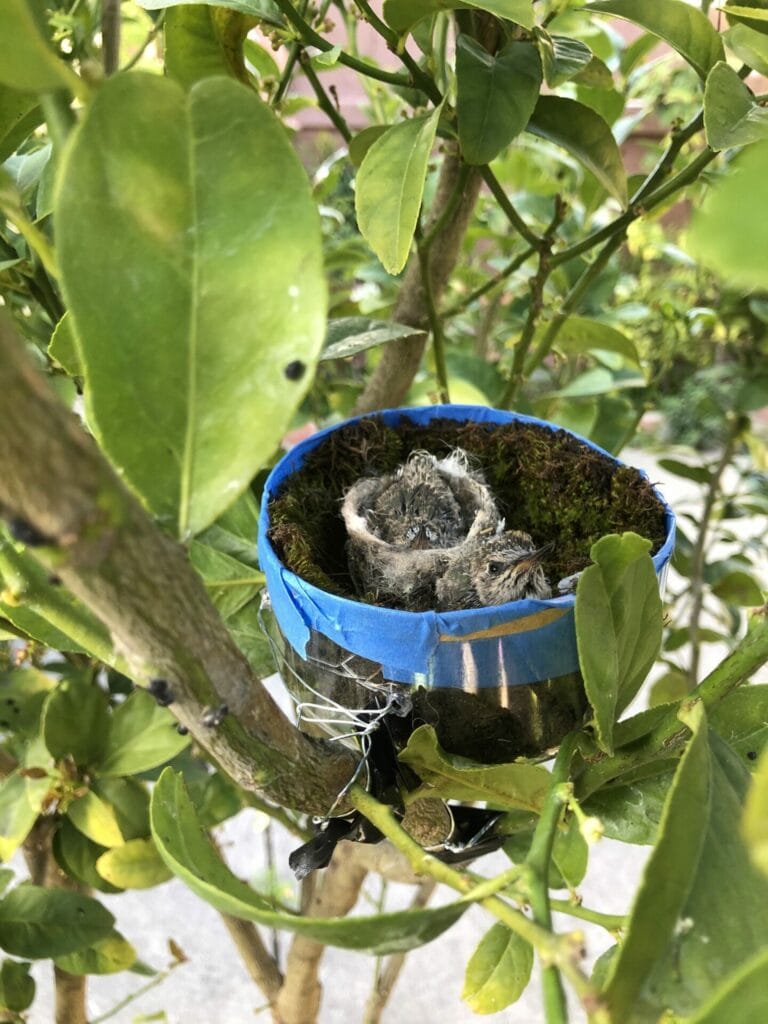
{"x":545,"y":482}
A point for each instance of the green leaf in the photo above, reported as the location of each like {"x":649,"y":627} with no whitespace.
{"x":685,"y":28}
{"x":570,"y":856}
{"x":449,"y":776}
{"x":27,"y":60}
{"x":40,"y":923}
{"x":618,"y":626}
{"x":63,"y":347}
{"x":20,"y":114}
{"x":754,"y":17}
{"x":586,"y":136}
{"x":22,"y":695}
{"x":188,"y":852}
{"x":17,"y":988}
{"x":743,"y":996}
{"x":6,"y":877}
{"x":728,"y":233}
{"x":141,"y":736}
{"x":755,"y":820}
{"x":245,"y":630}
{"x":562,"y":57}
{"x":749,"y":46}
{"x":76,"y":855}
{"x":234,"y":532}
{"x":263,"y":10}
{"x":738,"y":588}
{"x":498,"y":971}
{"x":261,"y":61}
{"x":21,"y":800}
{"x":352,"y":334}
{"x":699,"y":474}
{"x":220,"y":241}
{"x":598,"y":381}
{"x":702,"y":909}
{"x":107,"y":956}
{"x":230,"y":584}
{"x":95,"y":819}
{"x":580,"y":335}
{"x":360,"y":143}
{"x":135,"y":865}
{"x":390,"y":186}
{"x":496,"y":96}
{"x":672,"y":686}
{"x":742,"y":721}
{"x":202,"y":41}
{"x":731,"y":115}
{"x":404,"y":14}
{"x":129,"y":800}
{"x":75,"y":721}
{"x":631,"y":813}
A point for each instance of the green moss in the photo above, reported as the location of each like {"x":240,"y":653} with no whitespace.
{"x":546,"y":483}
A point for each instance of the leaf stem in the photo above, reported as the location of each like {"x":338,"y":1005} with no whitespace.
{"x":490,"y":284}
{"x":612,"y":923}
{"x":505,"y":203}
{"x":560,"y":951}
{"x":538,"y":860}
{"x":323,"y":100}
{"x":421,"y":80}
{"x":312,"y":38}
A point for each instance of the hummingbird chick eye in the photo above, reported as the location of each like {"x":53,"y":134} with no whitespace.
{"x":495,"y":568}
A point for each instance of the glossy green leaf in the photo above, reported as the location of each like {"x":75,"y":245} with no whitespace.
{"x":685,"y":28}
{"x":220,"y":252}
{"x":22,"y":695}
{"x":76,"y":855}
{"x":672,"y":686}
{"x":498,"y":971}
{"x":21,"y":800}
{"x":75,"y":721}
{"x":731,"y":115}
{"x":202,"y":40}
{"x":27,"y":59}
{"x":135,"y":865}
{"x":755,"y":821}
{"x":562,"y":57}
{"x":234,"y":532}
{"x":39,"y":923}
{"x":449,"y":776}
{"x":95,"y":819}
{"x":742,"y":721}
{"x":261,"y":61}
{"x":188,"y":852}
{"x":360,"y":143}
{"x":753,"y":16}
{"x":728,"y":232}
{"x":230,"y":584}
{"x":580,"y":335}
{"x":390,"y":186}
{"x":631,"y":813}
{"x":749,"y":46}
{"x":129,"y":799}
{"x":743,"y":995}
{"x":107,"y":956}
{"x":496,"y":95}
{"x":702,"y":909}
{"x":352,"y":334}
{"x":17,"y":988}
{"x":586,"y":136}
{"x":570,"y":856}
{"x":141,"y":736}
{"x":599,"y":381}
{"x":403,"y":14}
{"x":20,"y":114}
{"x":618,"y":626}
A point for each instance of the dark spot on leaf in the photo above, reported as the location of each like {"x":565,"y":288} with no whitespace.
{"x":295,"y":370}
{"x":182,"y":730}
{"x":752,"y":755}
{"x":54,"y":580}
{"x":4,"y":724}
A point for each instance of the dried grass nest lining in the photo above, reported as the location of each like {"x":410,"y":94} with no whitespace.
{"x":545,"y":482}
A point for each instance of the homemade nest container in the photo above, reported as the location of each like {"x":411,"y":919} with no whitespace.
{"x":497,"y":682}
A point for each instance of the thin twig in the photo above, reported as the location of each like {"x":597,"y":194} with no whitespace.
{"x":149,"y":38}
{"x":323,"y":100}
{"x":436,"y":327}
{"x":506,"y":271}
{"x":505,"y":203}
{"x":110,"y":35}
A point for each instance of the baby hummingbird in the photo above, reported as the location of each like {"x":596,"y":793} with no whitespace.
{"x":417,"y":508}
{"x":493,"y":570}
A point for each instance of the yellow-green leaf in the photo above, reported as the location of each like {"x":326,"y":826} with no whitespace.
{"x":95,"y":819}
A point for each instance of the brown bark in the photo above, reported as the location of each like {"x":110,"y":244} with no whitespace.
{"x":400,"y":360}
{"x":255,"y":956}
{"x":335,"y":894}
{"x":138,"y":581}
{"x":69,"y":989}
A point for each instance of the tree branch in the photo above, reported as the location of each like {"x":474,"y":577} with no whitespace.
{"x":400,"y":361}
{"x":257,"y":959}
{"x":138,"y":582}
{"x":334,"y":896}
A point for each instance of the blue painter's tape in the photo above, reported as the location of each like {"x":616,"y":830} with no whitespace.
{"x":515,"y":643}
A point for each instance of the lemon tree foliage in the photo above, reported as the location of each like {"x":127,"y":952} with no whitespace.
{"x":226,"y":224}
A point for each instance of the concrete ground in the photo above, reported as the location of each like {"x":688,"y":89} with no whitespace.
{"x":213,"y":988}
